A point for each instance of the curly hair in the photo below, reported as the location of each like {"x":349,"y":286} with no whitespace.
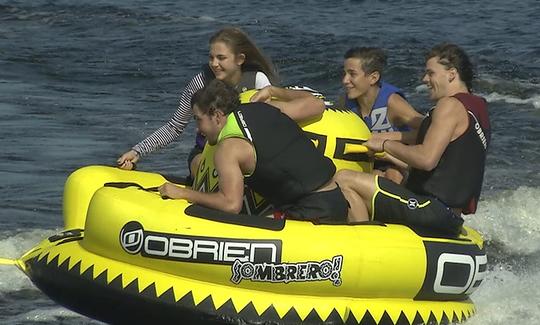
{"x":217,"y":95}
{"x":452,"y":56}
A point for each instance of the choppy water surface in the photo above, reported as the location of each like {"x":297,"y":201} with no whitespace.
{"x":82,"y":81}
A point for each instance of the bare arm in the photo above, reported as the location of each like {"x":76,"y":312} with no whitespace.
{"x":388,"y":157}
{"x":169,"y":131}
{"x":408,"y":137}
{"x":297,"y":104}
{"x":230,"y":157}
{"x":176,"y":124}
{"x":402,"y":113}
{"x":449,"y":120}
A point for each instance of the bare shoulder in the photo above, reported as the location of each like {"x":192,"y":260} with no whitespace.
{"x":448,"y":102}
{"x":401,"y":112}
{"x":233,"y":143}
{"x":451,"y":113}
{"x":449,"y":106}
{"x":236,"y":152}
{"x":234,"y":148}
{"x":397,"y":99}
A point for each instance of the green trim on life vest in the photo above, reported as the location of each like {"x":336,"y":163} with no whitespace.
{"x":231,"y":129}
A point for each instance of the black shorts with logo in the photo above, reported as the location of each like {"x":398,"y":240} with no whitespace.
{"x":394,"y":203}
{"x":322,"y":207}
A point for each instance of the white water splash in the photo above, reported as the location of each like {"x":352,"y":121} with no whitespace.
{"x":11,"y":278}
{"x":511,"y":218}
{"x":533,"y":100}
{"x":510,"y":294}
{"x":54,"y":315}
{"x":496,"y":97}
{"x":421,"y":88}
{"x":507,"y":298}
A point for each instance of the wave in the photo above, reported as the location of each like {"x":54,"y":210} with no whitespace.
{"x":509,"y":223}
{"x":57,"y":13}
{"x":51,"y":315}
{"x":496,"y":97}
{"x":13,"y":246}
{"x":512,"y":82}
{"x":533,"y":100}
{"x":507,"y":298}
{"x":509,"y":219}
{"x":511,"y":91}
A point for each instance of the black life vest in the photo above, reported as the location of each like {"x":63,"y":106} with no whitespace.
{"x":288,"y":164}
{"x":247,"y":82}
{"x":458,"y":177}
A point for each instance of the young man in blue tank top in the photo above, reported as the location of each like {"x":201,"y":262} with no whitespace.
{"x":447,"y":156}
{"x":382,"y":106}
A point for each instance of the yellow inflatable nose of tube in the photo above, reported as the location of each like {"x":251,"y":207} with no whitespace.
{"x":245,"y":96}
{"x":359,"y":148}
{"x":339,"y":134}
{"x":355,"y":148}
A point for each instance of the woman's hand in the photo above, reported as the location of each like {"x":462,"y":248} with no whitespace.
{"x":264,"y":95}
{"x":128,"y":160}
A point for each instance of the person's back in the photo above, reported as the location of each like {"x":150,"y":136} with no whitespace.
{"x":266,"y":148}
{"x":287,"y":164}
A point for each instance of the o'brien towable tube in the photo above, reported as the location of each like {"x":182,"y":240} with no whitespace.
{"x":143,"y":259}
{"x":129,"y":256}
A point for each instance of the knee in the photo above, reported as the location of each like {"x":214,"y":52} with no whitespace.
{"x":194,"y":165}
{"x":362,"y":184}
{"x":394,"y":175}
{"x":351,"y":178}
{"x":343,"y":177}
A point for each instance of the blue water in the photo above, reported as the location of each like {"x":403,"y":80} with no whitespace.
{"x":81,"y":81}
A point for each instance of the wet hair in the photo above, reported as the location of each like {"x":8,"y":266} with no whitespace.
{"x":217,"y":95}
{"x":240,"y":43}
{"x":373,"y":59}
{"x":452,"y":56}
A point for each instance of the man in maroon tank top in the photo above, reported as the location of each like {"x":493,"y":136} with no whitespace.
{"x":446,"y":155}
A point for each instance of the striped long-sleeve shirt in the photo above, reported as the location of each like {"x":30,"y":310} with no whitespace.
{"x":183,"y":114}
{"x":176,"y":125}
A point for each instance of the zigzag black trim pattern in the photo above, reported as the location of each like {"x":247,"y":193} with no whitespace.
{"x":53,"y":276}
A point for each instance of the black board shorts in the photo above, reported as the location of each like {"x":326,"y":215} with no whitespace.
{"x":320,"y":207}
{"x":394,"y":203}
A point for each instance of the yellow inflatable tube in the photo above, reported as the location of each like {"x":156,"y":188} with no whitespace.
{"x":129,"y":256}
{"x":337,"y":133}
{"x":186,"y":263}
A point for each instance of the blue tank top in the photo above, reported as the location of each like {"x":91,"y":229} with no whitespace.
{"x":377,"y":120}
